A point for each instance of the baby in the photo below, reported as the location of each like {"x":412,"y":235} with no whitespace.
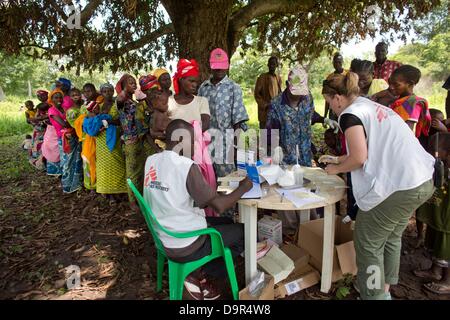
{"x":160,"y":118}
{"x":27,"y":143}
{"x":30,"y":113}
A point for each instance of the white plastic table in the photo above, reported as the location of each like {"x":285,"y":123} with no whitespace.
{"x":331,"y":188}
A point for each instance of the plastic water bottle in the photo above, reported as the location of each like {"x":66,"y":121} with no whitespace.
{"x":298,"y":175}
{"x":298,"y":171}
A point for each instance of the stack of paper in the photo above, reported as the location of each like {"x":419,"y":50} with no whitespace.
{"x":271,"y":173}
{"x":277,"y":264}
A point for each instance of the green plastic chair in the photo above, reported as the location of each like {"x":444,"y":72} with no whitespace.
{"x":179,"y":271}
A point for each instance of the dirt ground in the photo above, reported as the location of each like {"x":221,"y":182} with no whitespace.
{"x":42,"y":232}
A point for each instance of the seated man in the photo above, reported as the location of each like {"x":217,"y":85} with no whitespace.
{"x":177,"y":193}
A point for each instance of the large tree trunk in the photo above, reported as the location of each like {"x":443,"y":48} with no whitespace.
{"x":200,"y":26}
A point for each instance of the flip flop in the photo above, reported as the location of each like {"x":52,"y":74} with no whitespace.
{"x":437,"y":288}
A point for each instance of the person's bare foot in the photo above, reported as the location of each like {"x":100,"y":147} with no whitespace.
{"x":438,"y":287}
{"x":134,"y":206}
{"x":427,"y":274}
{"x":420,"y":241}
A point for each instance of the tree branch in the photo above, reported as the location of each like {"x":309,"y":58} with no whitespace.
{"x":34,"y":45}
{"x":89,"y":10}
{"x":152,"y":36}
{"x":258,"y":8}
{"x":58,"y":8}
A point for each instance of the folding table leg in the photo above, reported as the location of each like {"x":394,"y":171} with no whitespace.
{"x":328,"y":248}
{"x":248,"y":216}
{"x":305,"y":215}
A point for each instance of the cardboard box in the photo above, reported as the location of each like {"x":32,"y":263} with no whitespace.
{"x":297,"y":254}
{"x":270,"y":228}
{"x":277,"y":264}
{"x":266,"y":294}
{"x":301,"y":278}
{"x":310,"y":238}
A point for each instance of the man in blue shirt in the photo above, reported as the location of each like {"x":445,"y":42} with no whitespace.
{"x":226,"y":106}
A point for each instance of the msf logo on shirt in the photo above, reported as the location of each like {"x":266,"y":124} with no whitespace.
{"x":382,"y":113}
{"x":151,"y":181}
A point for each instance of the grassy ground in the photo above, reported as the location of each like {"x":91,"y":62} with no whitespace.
{"x":12,"y":120}
{"x":14,"y":159}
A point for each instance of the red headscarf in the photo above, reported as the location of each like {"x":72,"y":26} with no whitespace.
{"x":148,"y":82}
{"x":185,"y":68}
{"x":42,"y":94}
{"x":122,"y":79}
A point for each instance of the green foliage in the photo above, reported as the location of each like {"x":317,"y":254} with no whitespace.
{"x":436,"y":56}
{"x":16,"y":71}
{"x":435,"y":22}
{"x":130,"y":34}
{"x":12,"y":121}
{"x":343,"y":286}
{"x":432,"y":55}
{"x":246,"y":67}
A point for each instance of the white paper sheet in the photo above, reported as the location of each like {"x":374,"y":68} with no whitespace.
{"x":270,"y":173}
{"x":254,"y":193}
{"x":300,"y":197}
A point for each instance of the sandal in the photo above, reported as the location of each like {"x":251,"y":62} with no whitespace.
{"x":437,"y":288}
{"x":426,"y":274}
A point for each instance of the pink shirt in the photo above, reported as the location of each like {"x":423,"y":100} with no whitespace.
{"x":67,"y":103}
{"x":55,"y":112}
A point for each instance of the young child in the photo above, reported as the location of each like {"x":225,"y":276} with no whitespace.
{"x":411,"y":108}
{"x":76,"y":96}
{"x":435,"y":213}
{"x":160,"y":118}
{"x":27,"y":143}
{"x":90,"y":92}
{"x":40,"y":124}
{"x":164,"y":80}
{"x":437,"y":126}
{"x":30,"y":113}
{"x":437,"y":122}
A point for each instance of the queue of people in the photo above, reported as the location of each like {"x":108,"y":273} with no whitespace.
{"x":94,"y":140}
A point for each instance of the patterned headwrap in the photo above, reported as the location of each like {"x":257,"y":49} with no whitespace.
{"x":42,"y":95}
{"x":52,"y":93}
{"x":106,"y":85}
{"x":148,"y":82}
{"x":65,"y":82}
{"x":124,"y":77}
{"x":185,"y":68}
{"x":159,"y":72}
{"x":92,"y":105}
{"x":298,"y":81}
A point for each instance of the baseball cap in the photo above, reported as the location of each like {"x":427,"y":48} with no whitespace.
{"x":218,"y":60}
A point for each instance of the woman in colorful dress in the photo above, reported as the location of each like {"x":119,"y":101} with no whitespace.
{"x":69,"y":147}
{"x":72,"y":163}
{"x":88,"y":142}
{"x":111,"y":174}
{"x":137,"y":144}
{"x":50,"y":147}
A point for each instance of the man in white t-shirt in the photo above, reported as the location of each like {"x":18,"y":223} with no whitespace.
{"x":177,"y":193}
